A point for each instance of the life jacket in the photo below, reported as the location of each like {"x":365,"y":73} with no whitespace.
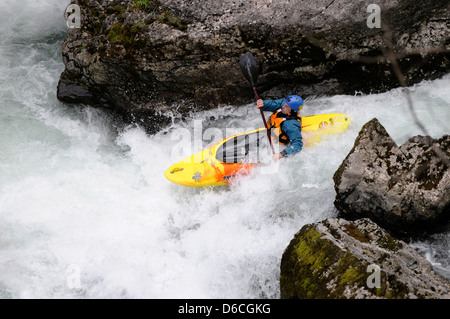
{"x":274,"y":124}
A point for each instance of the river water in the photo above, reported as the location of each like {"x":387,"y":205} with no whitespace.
{"x":85,"y":209}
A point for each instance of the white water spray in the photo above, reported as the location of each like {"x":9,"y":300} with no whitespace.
{"x":86,"y":212}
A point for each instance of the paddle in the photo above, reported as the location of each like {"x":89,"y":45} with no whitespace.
{"x":250,"y":72}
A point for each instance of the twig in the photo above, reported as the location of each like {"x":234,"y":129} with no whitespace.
{"x":391,"y":55}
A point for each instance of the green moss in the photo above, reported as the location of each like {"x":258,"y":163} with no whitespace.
{"x":138,"y":27}
{"x":397,"y":289}
{"x":118,"y":35}
{"x":117,"y":9}
{"x":140,"y":4}
{"x":160,"y":14}
{"x":147,"y":5}
{"x":390,"y":243}
{"x":309,"y":287}
{"x":351,"y":276}
{"x":310,"y":257}
{"x":124,"y":34}
{"x":306,"y":283}
{"x":313,"y":267}
{"x":316,"y":262}
{"x":170,"y":19}
{"x":311,"y":263}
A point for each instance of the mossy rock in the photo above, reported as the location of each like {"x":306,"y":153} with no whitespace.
{"x":125,"y":34}
{"x":163,"y":15}
{"x":331,"y":259}
{"x":172,"y":20}
{"x":307,"y":272}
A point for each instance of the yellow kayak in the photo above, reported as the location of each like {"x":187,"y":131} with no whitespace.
{"x":238,"y":154}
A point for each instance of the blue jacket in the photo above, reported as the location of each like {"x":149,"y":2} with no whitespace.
{"x":291,"y":128}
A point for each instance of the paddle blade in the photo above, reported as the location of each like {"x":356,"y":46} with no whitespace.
{"x":249,"y":68}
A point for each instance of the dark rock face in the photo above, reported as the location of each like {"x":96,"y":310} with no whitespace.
{"x":404,"y":189}
{"x":143,"y":56}
{"x":337,"y":259}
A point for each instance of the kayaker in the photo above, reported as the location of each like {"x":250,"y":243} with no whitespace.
{"x":285,"y":123}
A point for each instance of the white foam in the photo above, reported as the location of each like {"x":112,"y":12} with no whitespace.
{"x":78,"y":200}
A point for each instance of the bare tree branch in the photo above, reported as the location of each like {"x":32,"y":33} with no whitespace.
{"x":392,"y":57}
{"x":389,"y":53}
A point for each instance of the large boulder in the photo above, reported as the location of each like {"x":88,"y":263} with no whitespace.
{"x":142,"y":56}
{"x":340,"y":259}
{"x":404,"y":189}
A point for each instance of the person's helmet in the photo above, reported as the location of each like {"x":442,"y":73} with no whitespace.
{"x":295,"y":102}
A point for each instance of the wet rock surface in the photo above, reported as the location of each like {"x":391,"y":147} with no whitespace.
{"x":342,"y":259}
{"x":144,"y":57}
{"x":405,"y":189}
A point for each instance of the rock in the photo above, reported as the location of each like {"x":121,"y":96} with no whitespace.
{"x":73,"y":92}
{"x":148,"y":55}
{"x":404,"y":189}
{"x":339,"y":259}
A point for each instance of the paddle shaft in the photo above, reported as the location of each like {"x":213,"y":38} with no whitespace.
{"x":264,"y":120}
{"x":250,"y":72}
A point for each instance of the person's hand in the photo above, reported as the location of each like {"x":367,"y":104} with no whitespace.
{"x":259,"y":103}
{"x":276,"y":157}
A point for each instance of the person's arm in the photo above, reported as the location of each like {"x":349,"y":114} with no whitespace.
{"x":270,"y":105}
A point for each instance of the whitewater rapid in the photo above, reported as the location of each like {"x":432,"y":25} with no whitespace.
{"x":85,"y":209}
